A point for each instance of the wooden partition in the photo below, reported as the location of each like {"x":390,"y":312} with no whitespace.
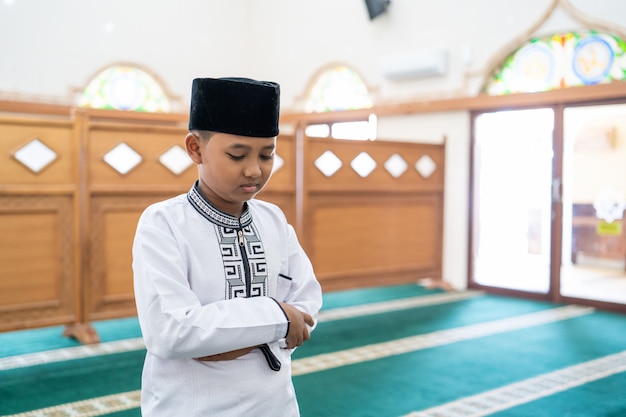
{"x":115,"y":198}
{"x":67,"y":225}
{"x":381,"y":226}
{"x":68,"y":216}
{"x":281,"y":188}
{"x":38,"y":221}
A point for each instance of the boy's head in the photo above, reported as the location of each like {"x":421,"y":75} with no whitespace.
{"x":238,"y":106}
{"x":240,"y":116}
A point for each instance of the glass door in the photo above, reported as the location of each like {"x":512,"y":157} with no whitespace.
{"x":512,"y":200}
{"x":594,"y":191}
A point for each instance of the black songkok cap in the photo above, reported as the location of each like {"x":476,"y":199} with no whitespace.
{"x":239,"y":106}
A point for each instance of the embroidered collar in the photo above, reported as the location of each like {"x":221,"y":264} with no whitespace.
{"x":213,"y":214}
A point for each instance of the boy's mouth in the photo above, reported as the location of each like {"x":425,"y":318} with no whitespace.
{"x":250,"y":188}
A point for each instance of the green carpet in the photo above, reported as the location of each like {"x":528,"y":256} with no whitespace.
{"x":399,"y":362}
{"x":48,"y":338}
{"x":361,"y":296}
{"x":598,"y":398}
{"x":343,"y":334}
{"x":400,"y":384}
{"x":47,"y":385}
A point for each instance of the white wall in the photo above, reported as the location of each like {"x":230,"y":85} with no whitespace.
{"x":455,"y":128}
{"x":52,"y":48}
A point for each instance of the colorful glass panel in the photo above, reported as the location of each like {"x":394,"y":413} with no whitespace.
{"x":561,"y":61}
{"x":339,"y":88}
{"x":125,"y":88}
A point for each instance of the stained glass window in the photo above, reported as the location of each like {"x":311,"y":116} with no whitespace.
{"x":123,"y":87}
{"x":561,"y":61}
{"x":339,"y":88}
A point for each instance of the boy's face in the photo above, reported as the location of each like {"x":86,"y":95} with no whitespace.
{"x":232,"y":169}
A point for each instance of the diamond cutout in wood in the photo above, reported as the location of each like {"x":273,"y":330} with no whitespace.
{"x":35,"y":155}
{"x":176,"y":160}
{"x":122,"y":158}
{"x":328,"y":163}
{"x":278,"y":163}
{"x":425,"y":166}
{"x":363,"y":164}
{"x":396,"y":165}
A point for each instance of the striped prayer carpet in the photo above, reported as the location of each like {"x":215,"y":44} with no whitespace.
{"x":399,"y":351}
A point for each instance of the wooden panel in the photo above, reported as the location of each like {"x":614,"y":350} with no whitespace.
{"x":109,"y":288}
{"x":373,"y":230}
{"x":281,"y":188}
{"x":284,"y":177}
{"x":380,"y":179}
{"x":284,"y":200}
{"x":29,"y":246}
{"x":150,"y":143}
{"x":115,"y":202}
{"x":57,"y":136}
{"x":381,"y":227}
{"x":359,"y":240}
{"x":119,"y":231}
{"x":36,"y":261}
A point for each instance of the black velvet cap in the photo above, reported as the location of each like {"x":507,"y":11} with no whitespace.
{"x":239,"y":106}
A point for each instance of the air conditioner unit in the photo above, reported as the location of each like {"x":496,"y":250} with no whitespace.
{"x":418,"y":64}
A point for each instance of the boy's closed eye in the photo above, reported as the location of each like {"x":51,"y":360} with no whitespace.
{"x":240,"y":157}
{"x":236,"y":157}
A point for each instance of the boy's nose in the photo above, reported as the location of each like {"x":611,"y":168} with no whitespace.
{"x":253,"y":170}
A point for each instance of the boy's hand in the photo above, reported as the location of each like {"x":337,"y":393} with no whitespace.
{"x":298,"y":332}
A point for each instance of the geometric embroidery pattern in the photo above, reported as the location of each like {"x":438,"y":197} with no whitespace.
{"x":233,"y":260}
{"x":256,"y":259}
{"x":214,"y":215}
{"x":237,"y":259}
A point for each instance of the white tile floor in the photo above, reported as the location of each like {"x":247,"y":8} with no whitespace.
{"x":590,"y":279}
{"x":594,"y":282}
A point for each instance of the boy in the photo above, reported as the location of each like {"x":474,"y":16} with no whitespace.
{"x":224,"y":291}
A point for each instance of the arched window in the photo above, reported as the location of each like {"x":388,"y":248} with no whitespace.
{"x":125,"y":87}
{"x":338,"y":88}
{"x":560,"y":61}
{"x":335,"y":89}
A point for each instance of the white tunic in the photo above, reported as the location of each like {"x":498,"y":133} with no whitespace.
{"x":198,"y":294}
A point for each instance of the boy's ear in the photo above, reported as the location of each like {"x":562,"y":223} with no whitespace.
{"x":192,"y":145}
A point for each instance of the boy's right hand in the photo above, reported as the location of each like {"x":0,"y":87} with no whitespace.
{"x":298,"y":330}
